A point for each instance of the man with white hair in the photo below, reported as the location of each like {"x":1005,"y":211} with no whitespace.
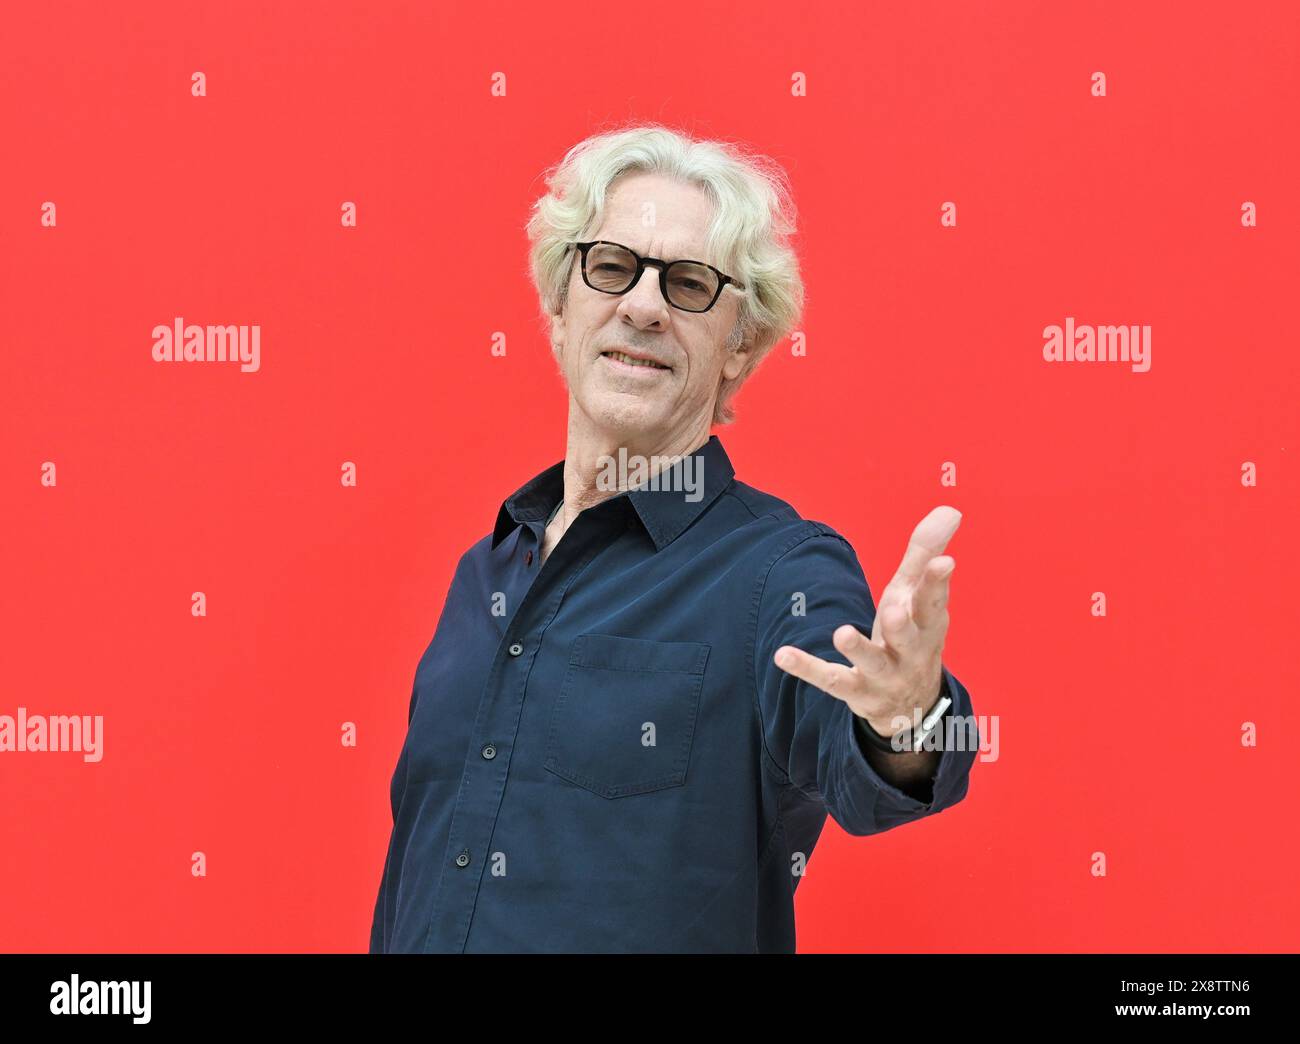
{"x":651,"y":683}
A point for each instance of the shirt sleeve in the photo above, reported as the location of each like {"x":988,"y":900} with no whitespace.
{"x":377,"y":921}
{"x":810,"y":737}
{"x":380,"y":919}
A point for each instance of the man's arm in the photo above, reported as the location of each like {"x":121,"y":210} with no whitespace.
{"x":912,"y":772}
{"x":396,"y":788}
{"x":812,"y":587}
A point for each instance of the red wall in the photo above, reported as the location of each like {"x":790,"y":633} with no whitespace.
{"x":1118,"y":734}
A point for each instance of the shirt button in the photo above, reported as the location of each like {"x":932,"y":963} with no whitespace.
{"x":528,"y":558}
{"x":463,"y":859}
{"x":489,"y":752}
{"x":516,"y":649}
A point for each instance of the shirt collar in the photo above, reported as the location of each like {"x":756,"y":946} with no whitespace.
{"x":664,"y":512}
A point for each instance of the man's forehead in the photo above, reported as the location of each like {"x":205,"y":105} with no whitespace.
{"x":687,"y":243}
{"x":645,"y":212}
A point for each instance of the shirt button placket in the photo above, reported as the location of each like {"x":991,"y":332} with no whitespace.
{"x":488,"y":752}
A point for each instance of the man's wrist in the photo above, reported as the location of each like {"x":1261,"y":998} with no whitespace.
{"x":869,"y":735}
{"x":899,"y":742}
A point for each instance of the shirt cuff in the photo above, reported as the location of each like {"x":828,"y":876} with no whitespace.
{"x":891,"y":796}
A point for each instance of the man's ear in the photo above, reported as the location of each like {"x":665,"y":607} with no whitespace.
{"x":557,"y":332}
{"x":735,"y":362}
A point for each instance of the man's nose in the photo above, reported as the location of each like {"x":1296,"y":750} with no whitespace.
{"x":646,"y":294}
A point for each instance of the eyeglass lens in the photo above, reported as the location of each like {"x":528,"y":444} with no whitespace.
{"x":612,"y":268}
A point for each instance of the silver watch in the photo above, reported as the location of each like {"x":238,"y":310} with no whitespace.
{"x":930,"y":722}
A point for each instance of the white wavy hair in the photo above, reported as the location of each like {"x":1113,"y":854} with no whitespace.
{"x":753,"y":222}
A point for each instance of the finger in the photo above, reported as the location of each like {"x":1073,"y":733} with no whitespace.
{"x":930,"y":599}
{"x":901,"y":636}
{"x":929,"y":538}
{"x":833,"y":679}
{"x":867,"y":656}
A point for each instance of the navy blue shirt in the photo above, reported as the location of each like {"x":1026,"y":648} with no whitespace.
{"x":601,"y":755}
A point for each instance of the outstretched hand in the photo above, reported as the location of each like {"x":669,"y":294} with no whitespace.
{"x":897,"y":673}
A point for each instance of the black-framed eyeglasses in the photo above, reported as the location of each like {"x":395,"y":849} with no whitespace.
{"x":612,"y":268}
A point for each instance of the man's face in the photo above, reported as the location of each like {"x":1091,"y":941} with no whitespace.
{"x":640,"y":403}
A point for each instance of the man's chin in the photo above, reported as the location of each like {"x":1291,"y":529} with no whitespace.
{"x":625,"y":413}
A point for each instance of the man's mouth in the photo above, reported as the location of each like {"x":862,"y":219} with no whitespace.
{"x":628,"y":360}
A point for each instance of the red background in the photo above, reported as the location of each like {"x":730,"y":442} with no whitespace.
{"x":1119,"y":734}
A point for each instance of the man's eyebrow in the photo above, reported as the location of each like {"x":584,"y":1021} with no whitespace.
{"x":687,"y":254}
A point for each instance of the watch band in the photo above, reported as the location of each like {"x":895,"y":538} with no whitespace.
{"x":872,"y":737}
{"x":911,"y":741}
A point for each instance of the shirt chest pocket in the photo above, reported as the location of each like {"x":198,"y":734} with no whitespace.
{"x":624,"y":717}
